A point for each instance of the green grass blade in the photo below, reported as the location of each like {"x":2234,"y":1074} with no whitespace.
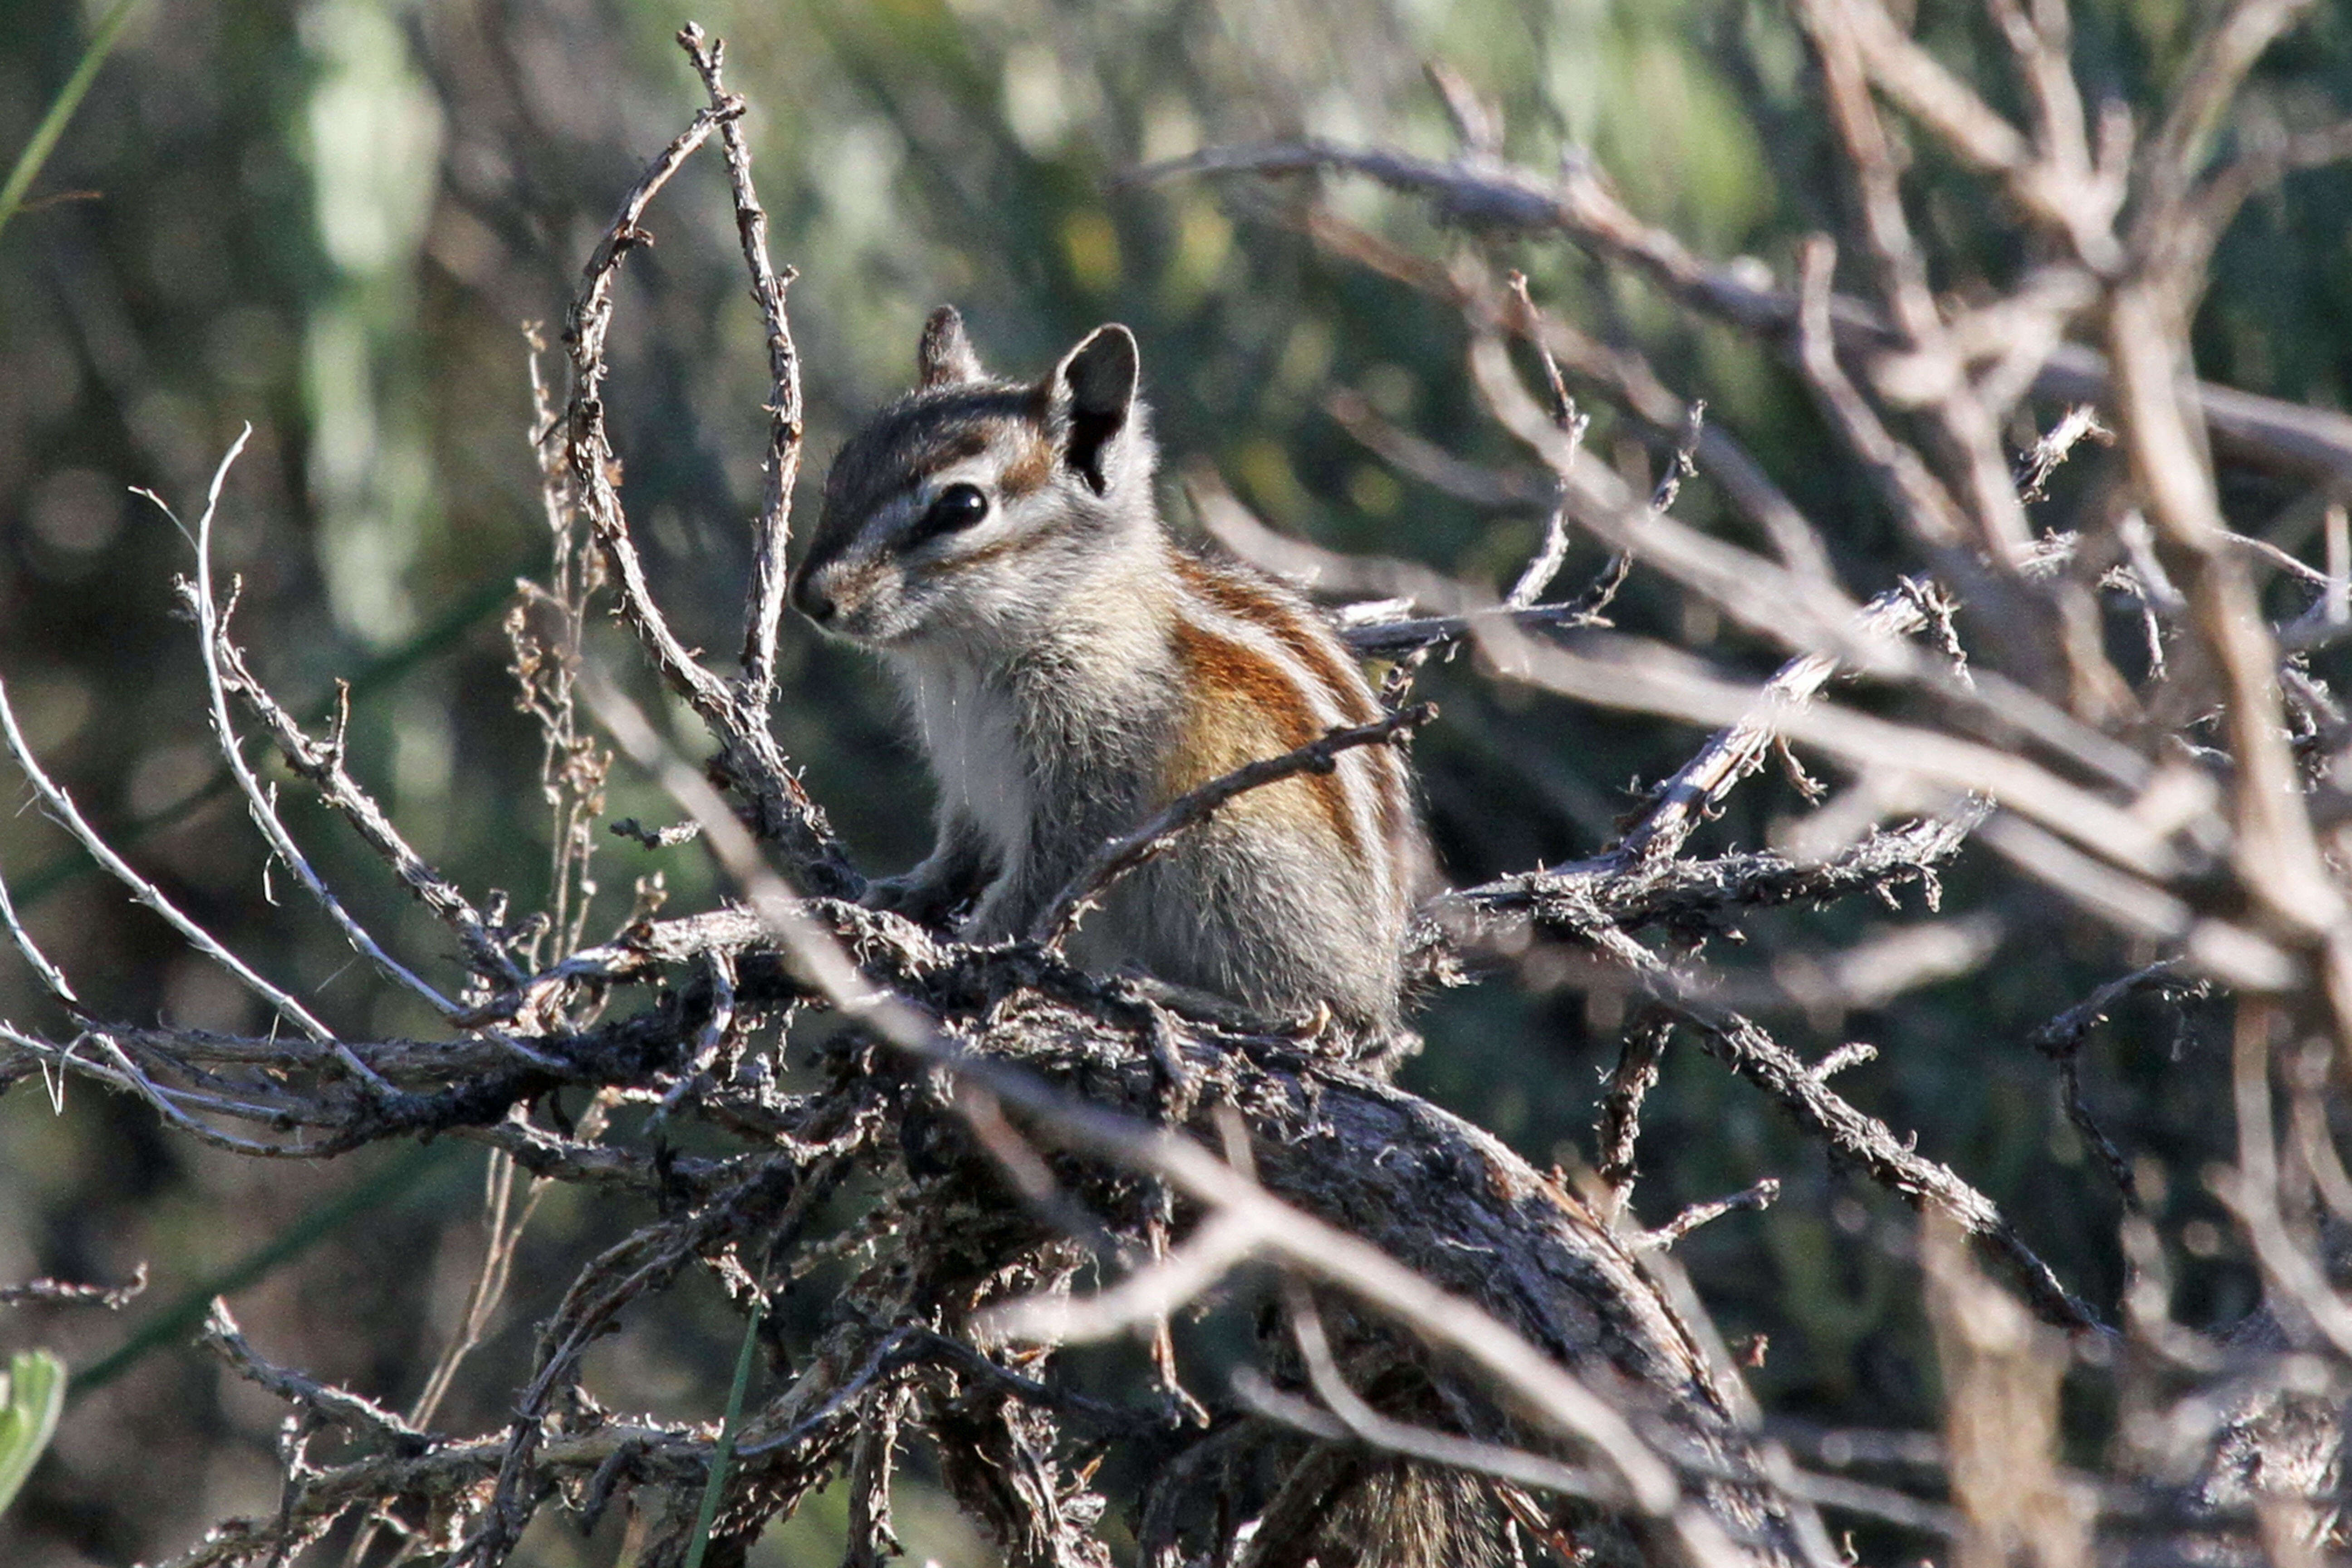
{"x":381,"y":674}
{"x":32,"y":1395}
{"x":53,"y":125}
{"x":725,"y":1456}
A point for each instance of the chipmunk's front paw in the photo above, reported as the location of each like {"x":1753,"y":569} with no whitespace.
{"x":1379,"y":1048}
{"x":917,"y":897}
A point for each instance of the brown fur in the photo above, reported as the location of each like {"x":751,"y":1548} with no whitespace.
{"x":1245,"y":710}
{"x":1073,"y":670}
{"x":1260,"y":606}
{"x":1027,"y":474}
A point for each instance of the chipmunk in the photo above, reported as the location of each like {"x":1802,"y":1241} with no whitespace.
{"x":1072,"y":670}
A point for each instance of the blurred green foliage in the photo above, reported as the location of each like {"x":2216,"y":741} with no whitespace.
{"x":331,"y":217}
{"x":32,"y":1396}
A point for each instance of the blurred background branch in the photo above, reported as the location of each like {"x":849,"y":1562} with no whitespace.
{"x":2079,"y":700}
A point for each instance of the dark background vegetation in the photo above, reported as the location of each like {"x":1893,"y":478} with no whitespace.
{"x":330,"y":218}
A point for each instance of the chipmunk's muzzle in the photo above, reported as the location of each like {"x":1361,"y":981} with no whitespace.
{"x":811,"y":598}
{"x":858,"y":600}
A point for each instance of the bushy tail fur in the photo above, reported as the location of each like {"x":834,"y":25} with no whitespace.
{"x":1342,"y":1509}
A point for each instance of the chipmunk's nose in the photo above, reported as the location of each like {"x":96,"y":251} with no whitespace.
{"x":813,"y":601}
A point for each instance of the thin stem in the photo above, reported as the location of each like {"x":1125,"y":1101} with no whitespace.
{"x":729,"y":1429}
{"x":61,"y":110}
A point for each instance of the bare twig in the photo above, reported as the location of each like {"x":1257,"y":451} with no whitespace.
{"x":669,"y":837}
{"x":765,"y":606}
{"x":1754,"y":1055}
{"x":61,"y":1292}
{"x":1628,"y":1084}
{"x":1579,"y":204}
{"x":261,"y":806}
{"x":749,"y":758}
{"x":362,"y":1417}
{"x":62,"y":809}
{"x":1762,"y":1195}
{"x":2080,"y":422}
{"x":1122,"y":856}
{"x":322,"y":766}
{"x":1572,"y":425}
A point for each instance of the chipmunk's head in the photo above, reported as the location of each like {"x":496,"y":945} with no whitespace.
{"x":974,"y":506}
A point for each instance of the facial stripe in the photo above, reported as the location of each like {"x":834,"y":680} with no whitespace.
{"x":1028,"y":472}
{"x":998,"y":548}
{"x":912,"y":440}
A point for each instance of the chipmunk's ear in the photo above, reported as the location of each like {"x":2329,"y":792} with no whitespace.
{"x":945,"y":355}
{"x":1092,"y":398}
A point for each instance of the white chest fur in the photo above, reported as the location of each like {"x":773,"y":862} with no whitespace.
{"x":972,"y":734}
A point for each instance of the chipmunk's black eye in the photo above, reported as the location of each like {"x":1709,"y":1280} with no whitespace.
{"x":955,"y":508}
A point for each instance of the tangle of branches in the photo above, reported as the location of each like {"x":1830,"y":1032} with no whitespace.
{"x":1431,"y":1302}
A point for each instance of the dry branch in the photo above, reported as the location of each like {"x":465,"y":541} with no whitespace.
{"x":63,"y":1292}
{"x":1580,"y":205}
{"x":737,"y":716}
{"x":1016,"y":1120}
{"x":1123,"y":855}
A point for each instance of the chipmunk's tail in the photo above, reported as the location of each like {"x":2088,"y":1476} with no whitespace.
{"x":1341,"y":1510}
